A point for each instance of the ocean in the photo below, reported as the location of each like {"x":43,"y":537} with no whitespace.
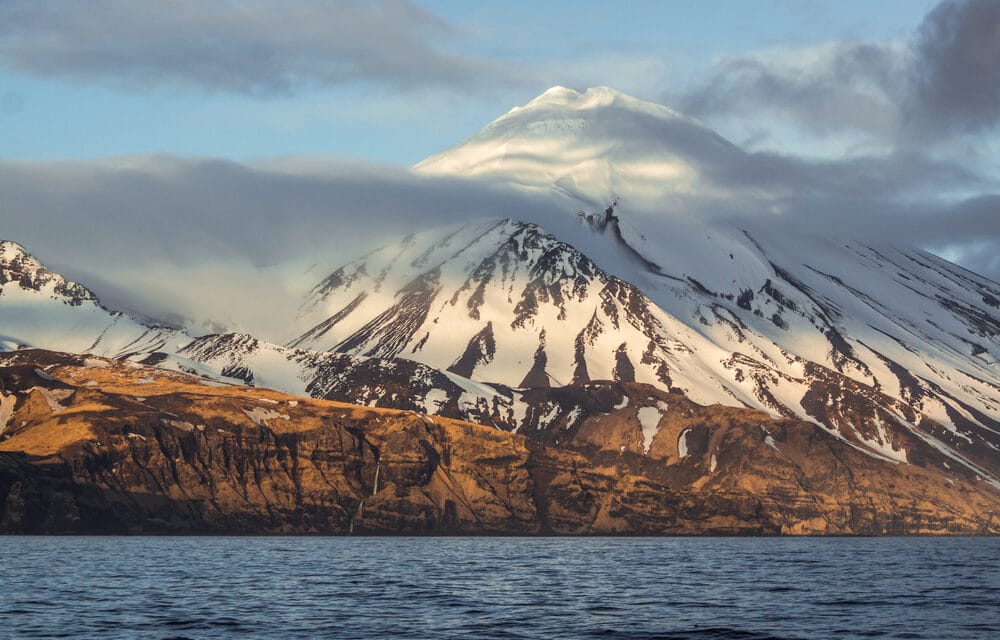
{"x":513,"y":588}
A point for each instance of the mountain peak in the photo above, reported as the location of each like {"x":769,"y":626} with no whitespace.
{"x":23,"y":270}
{"x":565,"y":98}
{"x":11,"y":252}
{"x":592,"y":97}
{"x":594,"y":146}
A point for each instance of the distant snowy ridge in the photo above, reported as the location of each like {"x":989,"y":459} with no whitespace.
{"x":41,"y":308}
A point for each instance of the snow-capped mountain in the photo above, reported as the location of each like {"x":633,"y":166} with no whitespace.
{"x":42,"y":309}
{"x":504,"y":302}
{"x":500,"y":301}
{"x":850,"y":335}
{"x":892,"y":350}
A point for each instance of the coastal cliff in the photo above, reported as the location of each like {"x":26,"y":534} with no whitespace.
{"x":91,"y":445}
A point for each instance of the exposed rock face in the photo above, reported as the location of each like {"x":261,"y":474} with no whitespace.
{"x":19,"y":267}
{"x":92,"y":445}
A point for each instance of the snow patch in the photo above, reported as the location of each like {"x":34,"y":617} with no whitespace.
{"x":260,"y":416}
{"x":882,"y":442}
{"x":434,"y":399}
{"x":54,"y":397}
{"x":549,"y":417}
{"x":179,"y":424}
{"x":572,"y":417}
{"x":649,"y":419}
{"x":769,"y":439}
{"x":682,"y":443}
{"x":6,"y":410}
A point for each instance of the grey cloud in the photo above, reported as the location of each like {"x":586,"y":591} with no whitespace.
{"x":946,"y":80}
{"x":870,"y":177}
{"x":248,"y":47}
{"x":900,"y":198}
{"x":190,"y":210}
{"x":843,"y":86}
{"x":957,"y":79}
{"x":163,"y":214}
{"x":215,"y":240}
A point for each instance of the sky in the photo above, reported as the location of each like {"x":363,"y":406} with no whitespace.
{"x":111,"y":77}
{"x":169,"y":130}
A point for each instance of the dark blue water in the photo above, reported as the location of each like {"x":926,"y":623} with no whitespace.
{"x":440,"y":588}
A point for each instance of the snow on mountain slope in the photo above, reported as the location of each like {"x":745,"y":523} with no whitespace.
{"x":504,"y":302}
{"x":42,"y":308}
{"x":798,"y":312}
{"x":377,"y":382}
{"x":882,"y":346}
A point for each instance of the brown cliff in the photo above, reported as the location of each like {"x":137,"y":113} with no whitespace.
{"x":96,"y":446}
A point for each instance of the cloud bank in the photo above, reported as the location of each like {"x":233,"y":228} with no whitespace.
{"x":211,"y":240}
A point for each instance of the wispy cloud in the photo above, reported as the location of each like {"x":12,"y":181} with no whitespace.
{"x":824,"y":89}
{"x":255,"y":47}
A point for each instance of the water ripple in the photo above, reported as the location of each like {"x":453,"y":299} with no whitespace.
{"x":510,"y":588}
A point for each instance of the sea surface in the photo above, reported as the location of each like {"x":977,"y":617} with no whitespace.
{"x":537,"y":588}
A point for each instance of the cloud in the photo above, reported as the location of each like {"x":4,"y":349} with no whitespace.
{"x":824,"y":89}
{"x":945,"y":80}
{"x":211,"y":240}
{"x":220,"y":242}
{"x":256,"y":47}
{"x":956,"y":81}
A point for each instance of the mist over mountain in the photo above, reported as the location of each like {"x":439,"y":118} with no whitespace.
{"x":202,"y":242}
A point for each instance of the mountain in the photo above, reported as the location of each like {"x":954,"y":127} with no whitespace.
{"x":868,"y":341}
{"x":621,"y":330}
{"x":801,"y":324}
{"x":499,"y":301}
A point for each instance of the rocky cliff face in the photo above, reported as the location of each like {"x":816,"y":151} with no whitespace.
{"x":92,"y":445}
